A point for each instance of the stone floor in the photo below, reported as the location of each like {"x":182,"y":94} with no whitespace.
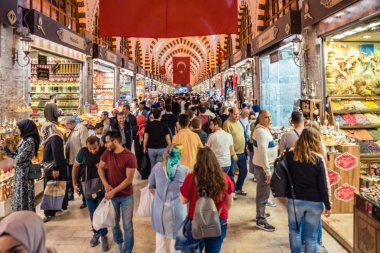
{"x":70,"y":232}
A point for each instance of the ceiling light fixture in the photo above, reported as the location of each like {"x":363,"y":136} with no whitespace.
{"x":339,"y":36}
{"x":348,"y":33}
{"x":373,"y":24}
{"x":360,"y":29}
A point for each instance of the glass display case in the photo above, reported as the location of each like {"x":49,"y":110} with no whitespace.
{"x":277,"y":77}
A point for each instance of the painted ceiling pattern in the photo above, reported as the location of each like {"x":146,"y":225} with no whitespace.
{"x":155,"y":55}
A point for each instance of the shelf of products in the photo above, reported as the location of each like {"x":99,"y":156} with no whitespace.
{"x":140,"y":88}
{"x":125,"y":88}
{"x":63,"y":79}
{"x":104,"y":88}
{"x":353,"y":87}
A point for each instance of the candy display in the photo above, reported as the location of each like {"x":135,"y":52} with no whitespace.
{"x":373,"y":193}
{"x":369,"y":147}
{"x":350,"y":119}
{"x":361,"y":119}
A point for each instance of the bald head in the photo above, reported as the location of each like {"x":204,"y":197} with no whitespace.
{"x":265,"y":118}
{"x":234,"y":113}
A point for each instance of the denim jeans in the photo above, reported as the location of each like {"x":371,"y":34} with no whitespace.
{"x":226,"y":169}
{"x":250,"y":159}
{"x":155,"y":155}
{"x":92,"y":204}
{"x":214,"y":245}
{"x":262,"y":193}
{"x":242,"y":164}
{"x":308,"y":216}
{"x":319,"y":238}
{"x":125,"y":206}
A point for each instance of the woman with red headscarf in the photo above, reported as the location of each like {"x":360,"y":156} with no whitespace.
{"x":139,"y":140}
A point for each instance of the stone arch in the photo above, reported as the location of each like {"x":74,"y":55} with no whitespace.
{"x":138,"y":53}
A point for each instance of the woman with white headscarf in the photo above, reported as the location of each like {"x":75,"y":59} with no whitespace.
{"x":23,"y":232}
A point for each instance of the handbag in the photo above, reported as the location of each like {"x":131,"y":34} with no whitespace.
{"x":91,"y":186}
{"x":145,"y":167}
{"x":48,"y":166}
{"x":54,"y":194}
{"x":34,"y":171}
{"x":146,"y":202}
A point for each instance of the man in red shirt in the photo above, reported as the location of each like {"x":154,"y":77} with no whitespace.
{"x":121,"y":164}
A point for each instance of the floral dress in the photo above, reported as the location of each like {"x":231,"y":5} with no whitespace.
{"x":23,"y":189}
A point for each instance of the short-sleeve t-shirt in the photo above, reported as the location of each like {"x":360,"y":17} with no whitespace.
{"x":117,"y":165}
{"x":189,"y":191}
{"x":220,"y":142}
{"x":84,"y":156}
{"x":157,"y":131}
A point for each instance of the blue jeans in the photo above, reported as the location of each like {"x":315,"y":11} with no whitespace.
{"x":319,"y":238}
{"x":242,"y":164}
{"x":155,"y":155}
{"x":92,"y":204}
{"x":214,"y":245}
{"x":308,"y":216}
{"x":226,"y":169}
{"x":125,"y":206}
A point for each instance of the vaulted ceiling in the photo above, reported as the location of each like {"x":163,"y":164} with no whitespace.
{"x":152,"y":54}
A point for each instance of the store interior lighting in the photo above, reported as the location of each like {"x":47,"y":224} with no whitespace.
{"x":26,"y":43}
{"x":356,"y":31}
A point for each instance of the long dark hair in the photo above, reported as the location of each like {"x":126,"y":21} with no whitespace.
{"x":209,"y":174}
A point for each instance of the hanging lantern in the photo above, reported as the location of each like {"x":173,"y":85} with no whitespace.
{"x":162,"y":70}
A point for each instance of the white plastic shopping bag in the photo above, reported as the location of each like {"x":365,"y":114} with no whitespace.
{"x":146,"y":202}
{"x":104,"y":215}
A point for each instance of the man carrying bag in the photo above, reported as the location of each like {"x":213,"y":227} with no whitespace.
{"x":92,"y":187}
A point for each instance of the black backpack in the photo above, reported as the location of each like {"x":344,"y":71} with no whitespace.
{"x":281,"y":182}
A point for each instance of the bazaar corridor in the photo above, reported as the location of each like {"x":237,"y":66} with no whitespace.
{"x":71,"y":232}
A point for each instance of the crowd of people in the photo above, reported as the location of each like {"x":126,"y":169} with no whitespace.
{"x":186,"y":146}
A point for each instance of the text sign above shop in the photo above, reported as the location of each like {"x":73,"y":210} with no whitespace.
{"x":106,"y":55}
{"x":274,"y":57}
{"x":284,"y":27}
{"x":42,"y":74}
{"x":129,"y":65}
{"x":42,"y":59}
{"x":314,"y":11}
{"x":141,"y":71}
{"x":8,"y":12}
{"x":224,"y":66}
{"x":72,"y":39}
{"x":49,"y":29}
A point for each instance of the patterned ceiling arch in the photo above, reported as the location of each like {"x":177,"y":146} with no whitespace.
{"x":180,"y":41}
{"x":183,"y":51}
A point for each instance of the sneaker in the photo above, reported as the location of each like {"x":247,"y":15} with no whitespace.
{"x":241,"y":192}
{"x":47,"y":219}
{"x":104,"y":243}
{"x":267,"y":215}
{"x":95,"y":240}
{"x":321,"y":248}
{"x":271,"y":203}
{"x":265,"y":226}
{"x":234,"y":196}
{"x":118,"y":248}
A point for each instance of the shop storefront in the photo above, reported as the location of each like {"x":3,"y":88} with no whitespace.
{"x":242,"y":65}
{"x":127,"y":79}
{"x":351,"y":70}
{"x":57,"y":65}
{"x":105,"y":71}
{"x":227,"y":80}
{"x":277,"y":68}
{"x":140,"y":83}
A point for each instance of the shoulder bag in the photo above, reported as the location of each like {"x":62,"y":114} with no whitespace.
{"x":90,"y":186}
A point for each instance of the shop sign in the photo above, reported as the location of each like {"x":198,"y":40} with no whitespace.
{"x":345,"y":193}
{"x":42,"y":59}
{"x":334,"y":177}
{"x":284,"y":27}
{"x":346,"y":161}
{"x":274,"y":57}
{"x":45,"y":27}
{"x":130,"y":65}
{"x":106,"y":55}
{"x":8,"y":12}
{"x":238,"y":56}
{"x":314,"y":11}
{"x":141,"y":71}
{"x":71,"y":38}
{"x":111,"y":56}
{"x":346,"y":15}
{"x":224,"y":66}
{"x":42,"y":74}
